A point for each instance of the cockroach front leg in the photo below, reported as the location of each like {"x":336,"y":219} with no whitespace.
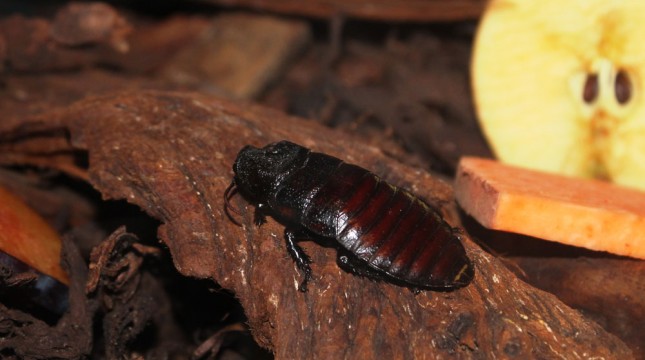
{"x":260,"y":216}
{"x":298,"y":254}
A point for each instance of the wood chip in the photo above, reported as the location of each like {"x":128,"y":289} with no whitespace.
{"x":239,"y":55}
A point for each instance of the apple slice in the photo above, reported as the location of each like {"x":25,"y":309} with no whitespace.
{"x":558,"y":86}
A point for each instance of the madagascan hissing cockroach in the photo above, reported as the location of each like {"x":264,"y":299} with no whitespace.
{"x":380,"y":231}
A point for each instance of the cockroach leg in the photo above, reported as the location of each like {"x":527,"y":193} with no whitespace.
{"x":381,"y":231}
{"x":348,"y":262}
{"x":298,"y":254}
{"x":260,"y":216}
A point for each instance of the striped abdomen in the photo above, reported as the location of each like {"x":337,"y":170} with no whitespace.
{"x":389,"y":229}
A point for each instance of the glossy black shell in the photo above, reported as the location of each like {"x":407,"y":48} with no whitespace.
{"x":381,"y":231}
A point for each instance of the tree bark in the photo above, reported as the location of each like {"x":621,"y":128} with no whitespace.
{"x":171,"y":155}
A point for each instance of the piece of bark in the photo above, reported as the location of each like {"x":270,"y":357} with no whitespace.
{"x":27,"y":94}
{"x":79,"y":24}
{"x":609,"y":291}
{"x":37,"y":44}
{"x":603,"y":287}
{"x":239,"y":54}
{"x":153,"y":44}
{"x":71,"y":42}
{"x":171,"y":154}
{"x":588,"y":213}
{"x":387,"y":10}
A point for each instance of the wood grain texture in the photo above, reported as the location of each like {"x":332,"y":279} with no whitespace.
{"x":171,"y":155}
{"x":618,"y":307}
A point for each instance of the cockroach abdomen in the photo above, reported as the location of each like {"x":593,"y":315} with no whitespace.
{"x":381,"y":231}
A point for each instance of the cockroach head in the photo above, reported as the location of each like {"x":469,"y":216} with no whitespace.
{"x":258,"y":172}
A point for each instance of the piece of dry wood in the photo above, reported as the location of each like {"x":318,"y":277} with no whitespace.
{"x":587,"y":213}
{"x":604,"y":287}
{"x":388,"y":10}
{"x":171,"y":154}
{"x":79,"y":24}
{"x":30,"y":44}
{"x":239,"y":54}
{"x":609,"y":291}
{"x":37,"y":44}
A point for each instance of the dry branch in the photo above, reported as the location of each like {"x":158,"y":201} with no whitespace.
{"x":171,"y":155}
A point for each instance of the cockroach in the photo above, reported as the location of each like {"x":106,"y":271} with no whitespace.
{"x":380,"y":231}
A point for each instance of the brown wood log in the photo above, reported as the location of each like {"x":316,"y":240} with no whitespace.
{"x":389,"y":10}
{"x":171,"y":155}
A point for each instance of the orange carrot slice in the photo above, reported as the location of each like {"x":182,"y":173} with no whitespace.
{"x":27,"y":237}
{"x":586,"y":213}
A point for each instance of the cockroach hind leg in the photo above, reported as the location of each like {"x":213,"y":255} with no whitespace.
{"x":348,"y":262}
{"x":302,"y":260}
{"x":303,"y":284}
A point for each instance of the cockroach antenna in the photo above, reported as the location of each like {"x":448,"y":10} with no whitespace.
{"x":231,"y":190}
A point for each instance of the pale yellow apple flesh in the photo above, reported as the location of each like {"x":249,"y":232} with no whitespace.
{"x":558,"y":86}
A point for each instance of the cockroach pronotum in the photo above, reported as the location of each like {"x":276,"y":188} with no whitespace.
{"x":381,"y":231}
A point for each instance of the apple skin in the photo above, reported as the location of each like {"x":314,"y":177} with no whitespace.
{"x":558,"y":86}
